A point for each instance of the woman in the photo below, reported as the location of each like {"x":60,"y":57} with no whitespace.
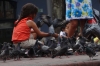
{"x":78,"y":10}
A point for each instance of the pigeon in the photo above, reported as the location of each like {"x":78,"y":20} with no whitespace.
{"x":58,"y":47}
{"x":47,"y":20}
{"x":63,"y":50}
{"x":59,"y":22}
{"x":42,"y":52}
{"x":5,"y":52}
{"x":78,"y":48}
{"x":16,"y":52}
{"x":41,"y":49}
{"x":90,"y":52}
{"x":56,"y":22}
{"x":39,"y":23}
{"x":43,"y":19}
{"x":23,"y":53}
{"x":31,"y":53}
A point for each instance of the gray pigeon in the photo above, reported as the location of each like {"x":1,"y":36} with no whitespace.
{"x":16,"y":52}
{"x":5,"y":52}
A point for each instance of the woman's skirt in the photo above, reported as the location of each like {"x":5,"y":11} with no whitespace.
{"x":78,"y":9}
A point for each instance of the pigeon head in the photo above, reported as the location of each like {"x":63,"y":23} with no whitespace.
{"x":5,"y":45}
{"x":59,"y":22}
{"x":39,"y":22}
{"x":46,"y":19}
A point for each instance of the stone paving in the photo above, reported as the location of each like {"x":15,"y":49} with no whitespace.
{"x":44,"y":61}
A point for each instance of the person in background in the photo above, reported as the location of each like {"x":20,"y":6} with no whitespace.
{"x":62,"y":32}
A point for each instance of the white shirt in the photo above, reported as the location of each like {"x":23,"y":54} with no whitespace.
{"x":62,"y":33}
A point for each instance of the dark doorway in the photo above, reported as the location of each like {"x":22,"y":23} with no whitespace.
{"x":7,"y":18}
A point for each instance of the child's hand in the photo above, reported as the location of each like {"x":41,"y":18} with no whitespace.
{"x":55,"y":35}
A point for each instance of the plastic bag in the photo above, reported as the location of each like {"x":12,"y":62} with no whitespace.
{"x":96,"y":30}
{"x":87,"y":29}
{"x":92,"y":26}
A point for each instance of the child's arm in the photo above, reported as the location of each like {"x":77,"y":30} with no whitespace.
{"x":35,"y":28}
{"x":32,"y":31}
{"x":37,"y":31}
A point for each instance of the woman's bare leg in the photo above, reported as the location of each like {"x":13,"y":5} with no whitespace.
{"x":66,"y":29}
{"x":72,"y":27}
{"x":82,"y":23}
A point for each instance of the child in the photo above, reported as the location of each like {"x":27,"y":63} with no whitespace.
{"x":23,"y":26}
{"x":62,"y":32}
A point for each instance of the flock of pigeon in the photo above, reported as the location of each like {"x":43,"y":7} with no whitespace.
{"x":9,"y":51}
{"x":51,"y":48}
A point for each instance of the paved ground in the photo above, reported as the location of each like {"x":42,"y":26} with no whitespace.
{"x":41,"y":61}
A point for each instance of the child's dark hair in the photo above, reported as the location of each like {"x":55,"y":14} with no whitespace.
{"x":27,"y":10}
{"x":63,"y":27}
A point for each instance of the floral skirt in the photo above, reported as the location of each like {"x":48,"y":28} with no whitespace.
{"x":79,"y":9}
